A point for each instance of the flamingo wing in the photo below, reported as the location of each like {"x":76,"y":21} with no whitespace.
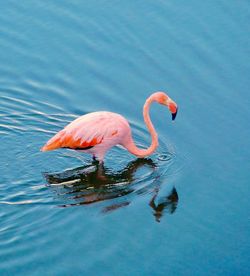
{"x":85,"y":132}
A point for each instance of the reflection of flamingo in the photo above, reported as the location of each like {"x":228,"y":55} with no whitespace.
{"x":83,"y":186}
{"x":97,"y":132}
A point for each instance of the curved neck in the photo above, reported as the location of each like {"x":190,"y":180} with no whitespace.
{"x":131,"y":147}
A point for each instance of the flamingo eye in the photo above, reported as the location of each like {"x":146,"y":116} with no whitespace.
{"x":163,"y":100}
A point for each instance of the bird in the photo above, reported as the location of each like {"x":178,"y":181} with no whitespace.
{"x":97,"y":132}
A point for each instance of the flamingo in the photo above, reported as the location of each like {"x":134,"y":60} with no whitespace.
{"x":97,"y":132}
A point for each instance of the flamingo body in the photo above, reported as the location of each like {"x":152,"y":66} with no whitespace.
{"x":97,"y":132}
{"x":92,"y":133}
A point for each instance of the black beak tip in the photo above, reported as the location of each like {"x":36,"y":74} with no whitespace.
{"x":174,"y":115}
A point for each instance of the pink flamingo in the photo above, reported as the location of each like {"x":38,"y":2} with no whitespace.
{"x":97,"y":132}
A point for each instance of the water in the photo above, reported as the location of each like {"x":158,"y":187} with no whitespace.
{"x":184,"y":210}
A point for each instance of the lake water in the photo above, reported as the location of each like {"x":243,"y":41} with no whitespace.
{"x":182,"y":211}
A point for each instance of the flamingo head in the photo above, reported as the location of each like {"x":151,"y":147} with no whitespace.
{"x":164,"y":99}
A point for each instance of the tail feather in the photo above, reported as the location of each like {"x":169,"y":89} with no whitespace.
{"x":54,"y":143}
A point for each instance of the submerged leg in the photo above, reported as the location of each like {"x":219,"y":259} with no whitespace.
{"x":99,"y":156}
{"x":100,"y":171}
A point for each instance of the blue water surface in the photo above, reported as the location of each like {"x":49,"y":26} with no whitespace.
{"x":182,"y":211}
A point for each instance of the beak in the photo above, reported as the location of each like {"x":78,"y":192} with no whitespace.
{"x":174,"y":114}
